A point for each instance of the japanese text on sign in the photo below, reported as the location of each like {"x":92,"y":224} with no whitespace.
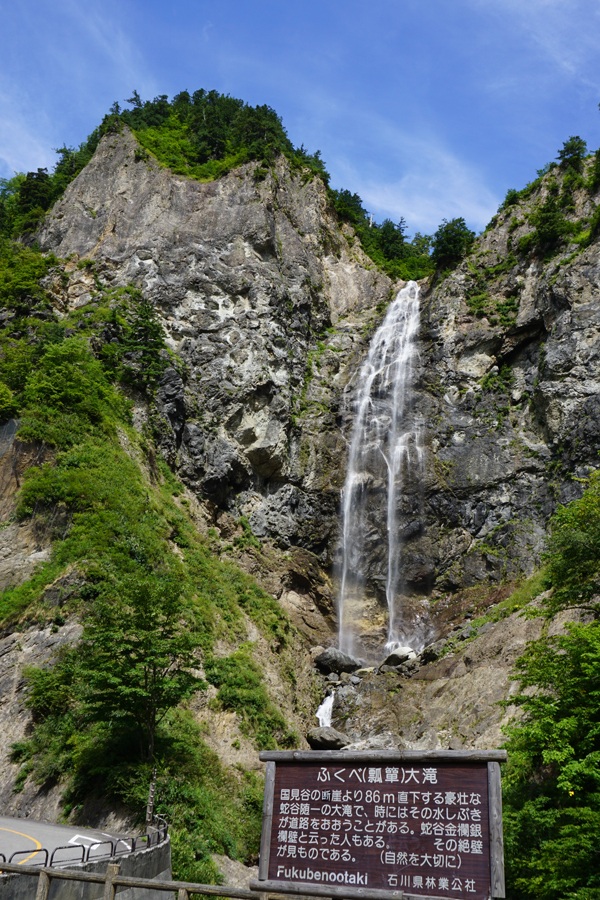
{"x":423,"y":828}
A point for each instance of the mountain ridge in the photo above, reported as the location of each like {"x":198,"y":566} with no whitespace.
{"x":263,"y":306}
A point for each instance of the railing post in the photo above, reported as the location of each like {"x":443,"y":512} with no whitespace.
{"x":112,"y":870}
{"x":43,"y":887}
{"x":182,"y":894}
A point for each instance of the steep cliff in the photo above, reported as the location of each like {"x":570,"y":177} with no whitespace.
{"x":270,"y":306}
{"x":261,"y":307}
{"x":252,"y":279}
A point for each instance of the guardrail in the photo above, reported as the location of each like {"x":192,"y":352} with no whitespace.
{"x":112,"y":880}
{"x":78,"y":854}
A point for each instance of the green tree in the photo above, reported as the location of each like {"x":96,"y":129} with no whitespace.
{"x":594,"y":178}
{"x":573,"y":558}
{"x":135,"y":100}
{"x":451,"y":243}
{"x":348,"y":206}
{"x":421,"y":244}
{"x":391,"y":239}
{"x":138,"y":654}
{"x":144,"y":356}
{"x":572,"y":153}
{"x":552,"y":782}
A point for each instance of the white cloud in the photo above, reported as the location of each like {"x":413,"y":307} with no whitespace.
{"x":415,"y":175}
{"x":101,"y":32}
{"x":83,"y":61}
{"x":565,"y":35}
{"x":24,"y":143}
{"x":433,"y":187}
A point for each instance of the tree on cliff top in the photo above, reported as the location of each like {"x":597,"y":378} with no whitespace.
{"x":572,"y":153}
{"x":451,"y":243}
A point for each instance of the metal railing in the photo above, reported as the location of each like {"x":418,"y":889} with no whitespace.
{"x":78,"y":854}
{"x":111,"y":880}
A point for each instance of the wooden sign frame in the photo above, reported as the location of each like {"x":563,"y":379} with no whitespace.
{"x":457,"y":761}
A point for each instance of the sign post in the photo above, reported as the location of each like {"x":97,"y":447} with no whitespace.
{"x":383,"y":825}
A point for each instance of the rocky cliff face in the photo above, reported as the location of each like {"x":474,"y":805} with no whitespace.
{"x":251,"y":278}
{"x":268,"y":306}
{"x":513,"y":403}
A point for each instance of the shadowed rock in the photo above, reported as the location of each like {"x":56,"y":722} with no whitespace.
{"x":333,"y":660}
{"x":326,"y":738}
{"x":399,"y":655}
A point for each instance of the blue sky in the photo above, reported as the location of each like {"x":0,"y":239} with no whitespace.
{"x":428,"y":109}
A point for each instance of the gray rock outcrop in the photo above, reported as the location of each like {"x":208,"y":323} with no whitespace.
{"x":254,"y":284}
{"x":327,"y":738}
{"x":269,"y":304}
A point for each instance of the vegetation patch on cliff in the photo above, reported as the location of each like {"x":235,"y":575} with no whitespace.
{"x":154,"y":601}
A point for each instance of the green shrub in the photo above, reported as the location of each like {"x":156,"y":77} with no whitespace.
{"x":550,"y":229}
{"x":241,"y":689}
{"x":21,"y":270}
{"x":8,"y":405}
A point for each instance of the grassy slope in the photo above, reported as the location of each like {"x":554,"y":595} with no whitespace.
{"x":123,"y":525}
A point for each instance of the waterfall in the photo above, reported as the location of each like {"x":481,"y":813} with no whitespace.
{"x":325,"y":710}
{"x":385,"y":450}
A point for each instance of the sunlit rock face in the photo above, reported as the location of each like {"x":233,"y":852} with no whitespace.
{"x":269,"y":307}
{"x":263,"y":300}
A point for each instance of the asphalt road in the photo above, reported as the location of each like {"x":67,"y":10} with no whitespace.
{"x":26,"y":838}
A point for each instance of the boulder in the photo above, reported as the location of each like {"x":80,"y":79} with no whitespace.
{"x":399,"y":655}
{"x":334,"y":660}
{"x":326,"y":738}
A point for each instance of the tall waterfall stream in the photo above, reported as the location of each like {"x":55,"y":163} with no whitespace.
{"x":385,"y":450}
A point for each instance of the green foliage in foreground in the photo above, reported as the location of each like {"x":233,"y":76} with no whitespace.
{"x":127,"y":560}
{"x":574,"y":553}
{"x":210,"y":809}
{"x":552,"y":781}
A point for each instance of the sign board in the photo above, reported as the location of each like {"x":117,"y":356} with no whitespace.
{"x":383,"y":824}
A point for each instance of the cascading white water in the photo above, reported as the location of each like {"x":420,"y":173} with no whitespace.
{"x":385,"y":446}
{"x":325,"y":711}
